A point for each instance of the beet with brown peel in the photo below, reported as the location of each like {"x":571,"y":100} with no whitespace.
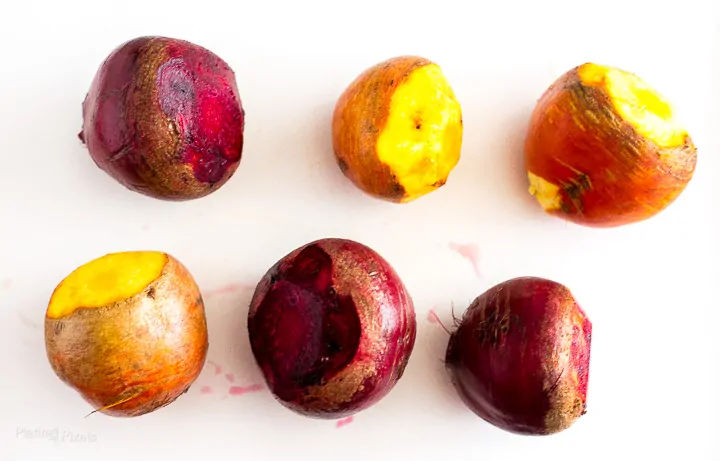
{"x":332,"y":327}
{"x":520,"y":356}
{"x":164,"y":118}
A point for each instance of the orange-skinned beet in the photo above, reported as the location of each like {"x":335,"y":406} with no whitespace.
{"x":607,"y":172}
{"x":137,"y":355}
{"x":397,"y":129}
{"x":354,"y":145}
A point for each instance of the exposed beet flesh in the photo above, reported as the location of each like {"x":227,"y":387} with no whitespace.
{"x":164,"y":118}
{"x":520,"y":356}
{"x":316,"y":333}
{"x":332,"y":327}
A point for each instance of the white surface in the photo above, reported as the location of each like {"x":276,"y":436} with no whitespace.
{"x":650,"y":289}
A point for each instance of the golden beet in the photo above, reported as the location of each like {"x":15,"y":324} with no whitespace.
{"x":127,"y":331}
{"x":604,"y":149}
{"x":397,"y":129}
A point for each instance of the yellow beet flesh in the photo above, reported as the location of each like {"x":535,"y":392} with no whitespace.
{"x":422,"y":137}
{"x":637,"y":103}
{"x":106,"y":280}
{"x":546,"y":193}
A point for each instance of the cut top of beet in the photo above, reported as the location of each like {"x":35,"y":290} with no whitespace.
{"x":311,"y":332}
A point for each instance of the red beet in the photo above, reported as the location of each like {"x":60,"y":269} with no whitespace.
{"x":332,"y":327}
{"x":163,"y":117}
{"x":520,"y":356}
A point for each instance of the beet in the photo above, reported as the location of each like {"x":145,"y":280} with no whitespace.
{"x":164,"y":118}
{"x":332,"y":328}
{"x":127,"y":331}
{"x":520,"y":356}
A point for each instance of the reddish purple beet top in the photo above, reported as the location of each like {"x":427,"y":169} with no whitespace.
{"x":332,"y":328}
{"x":164,"y":118}
{"x":520,"y":356}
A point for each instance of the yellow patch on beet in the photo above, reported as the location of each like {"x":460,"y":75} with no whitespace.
{"x":106,"y":280}
{"x":422,"y":137}
{"x":637,"y":103}
{"x":546,"y":193}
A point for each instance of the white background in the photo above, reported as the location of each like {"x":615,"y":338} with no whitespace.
{"x":650,"y":289}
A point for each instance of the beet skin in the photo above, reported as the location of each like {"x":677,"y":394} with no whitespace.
{"x":332,"y":327}
{"x":164,"y":118}
{"x":520,"y":356}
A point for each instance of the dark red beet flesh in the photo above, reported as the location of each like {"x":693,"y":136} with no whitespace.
{"x":520,"y":356}
{"x":332,"y":328}
{"x":164,"y":118}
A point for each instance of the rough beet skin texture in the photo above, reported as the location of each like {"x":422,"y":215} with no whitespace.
{"x":520,"y":356}
{"x":332,"y":327}
{"x":130,"y":357}
{"x":164,"y":118}
{"x":590,"y":166}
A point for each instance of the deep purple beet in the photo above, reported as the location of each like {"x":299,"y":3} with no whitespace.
{"x":164,"y":118}
{"x":520,"y":356}
{"x":332,"y":327}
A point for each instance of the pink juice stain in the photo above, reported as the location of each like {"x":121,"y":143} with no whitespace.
{"x":344,"y":422}
{"x":206,"y":390}
{"x":230,"y":377}
{"x":432,"y":316}
{"x":242,"y":390}
{"x":230,"y":288}
{"x":218,"y":368}
{"x":6,"y":283}
{"x":469,"y":251}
